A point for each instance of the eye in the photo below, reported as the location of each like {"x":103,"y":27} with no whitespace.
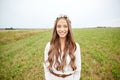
{"x":58,"y":26}
{"x":65,"y":26}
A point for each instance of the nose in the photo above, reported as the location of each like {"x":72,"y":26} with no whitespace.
{"x":62,"y":28}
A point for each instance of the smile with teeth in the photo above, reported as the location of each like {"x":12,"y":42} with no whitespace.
{"x":62,"y":33}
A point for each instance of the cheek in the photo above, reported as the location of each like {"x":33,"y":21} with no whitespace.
{"x":67,"y":29}
{"x":57,"y":29}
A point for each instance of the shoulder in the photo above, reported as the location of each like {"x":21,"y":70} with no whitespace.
{"x":78,"y":51}
{"x":77,"y":45}
{"x":47,"y":46}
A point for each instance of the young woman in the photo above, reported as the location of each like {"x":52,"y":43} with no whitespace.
{"x":62,"y":54}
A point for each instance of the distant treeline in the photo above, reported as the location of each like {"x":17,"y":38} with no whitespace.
{"x":11,"y":28}
{"x":102,"y":27}
{"x":106,"y":27}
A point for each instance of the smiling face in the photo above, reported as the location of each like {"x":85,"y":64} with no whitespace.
{"x":62,"y":28}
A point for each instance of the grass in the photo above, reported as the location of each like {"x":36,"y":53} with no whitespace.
{"x":22,"y":58}
{"x":7,"y":36}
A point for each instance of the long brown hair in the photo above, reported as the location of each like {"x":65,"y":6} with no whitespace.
{"x":55,"y":48}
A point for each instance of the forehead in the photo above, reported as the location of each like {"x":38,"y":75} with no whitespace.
{"x":62,"y":21}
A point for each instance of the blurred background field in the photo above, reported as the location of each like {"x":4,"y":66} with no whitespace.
{"x":22,"y":51}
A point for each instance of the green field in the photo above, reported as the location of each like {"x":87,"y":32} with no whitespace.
{"x":22,"y":51}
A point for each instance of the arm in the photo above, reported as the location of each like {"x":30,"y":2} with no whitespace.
{"x":46,"y":70}
{"x":77,"y":74}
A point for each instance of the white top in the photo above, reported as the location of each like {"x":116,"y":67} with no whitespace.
{"x":67,"y":69}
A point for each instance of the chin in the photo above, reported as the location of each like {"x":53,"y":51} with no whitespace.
{"x":64,"y":36}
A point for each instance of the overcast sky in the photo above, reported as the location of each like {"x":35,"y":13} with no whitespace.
{"x":42,"y":13}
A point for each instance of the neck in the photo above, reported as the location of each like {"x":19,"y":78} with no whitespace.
{"x":62,"y":42}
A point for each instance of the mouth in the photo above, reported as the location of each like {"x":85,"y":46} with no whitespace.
{"x":62,"y":33}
